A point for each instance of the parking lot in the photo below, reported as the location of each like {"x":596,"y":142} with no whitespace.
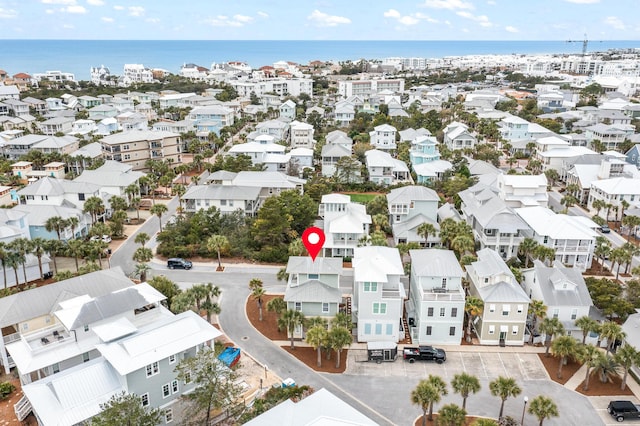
{"x":484,"y":365}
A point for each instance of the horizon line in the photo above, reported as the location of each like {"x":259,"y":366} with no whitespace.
{"x":320,"y":41}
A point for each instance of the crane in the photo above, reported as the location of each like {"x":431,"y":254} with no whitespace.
{"x":585,"y":43}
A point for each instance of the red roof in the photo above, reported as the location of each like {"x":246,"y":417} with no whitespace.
{"x":266,"y":67}
{"x":22,"y":76}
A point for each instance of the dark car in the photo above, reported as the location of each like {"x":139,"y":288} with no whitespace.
{"x":179,"y":263}
{"x":605,"y":229}
{"x":621,"y":410}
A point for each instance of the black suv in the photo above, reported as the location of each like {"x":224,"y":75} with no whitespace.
{"x":178,"y":262}
{"x":621,"y":410}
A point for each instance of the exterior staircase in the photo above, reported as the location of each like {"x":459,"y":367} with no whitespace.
{"x":405,"y":327}
{"x":348,"y":307}
{"x":22,"y":408}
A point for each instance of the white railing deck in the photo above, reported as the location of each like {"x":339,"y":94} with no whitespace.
{"x":22,"y":408}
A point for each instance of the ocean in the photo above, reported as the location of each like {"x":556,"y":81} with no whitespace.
{"x":78,"y":56}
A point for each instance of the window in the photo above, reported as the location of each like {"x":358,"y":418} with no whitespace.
{"x":442,"y":311}
{"x":367,"y":329}
{"x":187,"y":377}
{"x":298,"y":306}
{"x":165,"y":390}
{"x":379,"y":308}
{"x":378,"y":328}
{"x":81,"y":197}
{"x":168,"y":415}
{"x":492,"y":308}
{"x":85,"y":357}
{"x":126,"y":156}
{"x":389,"y":331}
{"x":314,"y":276}
{"x":454,"y":312}
{"x":444,"y":283}
{"x":492,"y":329}
{"x":223,"y":202}
{"x":429,"y":329}
{"x":514,"y":330}
{"x":429,"y":312}
{"x":152,"y":369}
{"x":125,"y":147}
{"x":56,"y":368}
{"x":556,"y":312}
{"x":372,"y":287}
{"x":452,"y":331}
{"x":172,"y":359}
{"x":144,"y":399}
{"x":86,"y":328}
{"x":520,"y":308}
{"x":574,"y":314}
{"x":325,"y":308}
{"x":174,"y":387}
{"x":505,"y":310}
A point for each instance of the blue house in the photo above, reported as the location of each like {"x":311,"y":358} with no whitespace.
{"x":424,"y":150}
{"x":633,"y":156}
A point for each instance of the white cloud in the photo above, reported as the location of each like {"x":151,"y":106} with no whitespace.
{"x":49,"y":11}
{"x":68,"y":26}
{"x":391,"y":13}
{"x":615,"y":22}
{"x":136,"y":10}
{"x":106,"y":19}
{"x":325,"y":20}
{"x":263,"y":14}
{"x":223,"y":21}
{"x":408,"y":20}
{"x":77,"y":9}
{"x":117,"y":7}
{"x":511,"y":29}
{"x":243,"y":18}
{"x":64,"y":2}
{"x":95,"y":2}
{"x":483,"y":20}
{"x":7,"y":13}
{"x":491,"y":3}
{"x":583,"y":1}
{"x":152,"y":20}
{"x":448,"y":4}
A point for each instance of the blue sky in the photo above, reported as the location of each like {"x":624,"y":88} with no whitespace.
{"x":320,"y":20}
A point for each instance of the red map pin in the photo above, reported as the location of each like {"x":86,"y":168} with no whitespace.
{"x":313,"y":240}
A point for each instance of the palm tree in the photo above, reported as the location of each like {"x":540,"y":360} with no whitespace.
{"x":54,"y":247}
{"x":537,"y":310}
{"x":277,"y":305}
{"x":473,"y":306}
{"x":290,"y":320}
{"x":550,"y":327}
{"x":543,"y":408}
{"x":38,"y":246}
{"x":526,"y":249}
{"x":3,"y":256}
{"x":316,"y":337}
{"x":425,"y":230}
{"x":427,"y":393}
{"x":142,"y":238}
{"x":159,"y":210}
{"x":342,"y":319}
{"x":210,"y":307}
{"x":142,"y":255}
{"x":257,"y":293}
{"x":73,"y":222}
{"x":76,"y":249}
{"x":589,"y":356}
{"x":611,"y":331}
{"x":606,"y":368}
{"x":141,"y":271}
{"x":22,"y":246}
{"x":504,"y":387}
{"x":484,"y":422}
{"x":296,"y":248}
{"x":562,"y":347}
{"x":55,"y":224}
{"x":13,"y":260}
{"x":626,"y":357}
{"x":217,"y":243}
{"x":94,"y":206}
{"x":587,"y":325}
{"x":462,"y":244}
{"x":339,"y":337}
{"x":452,"y":415}
{"x":465,"y":384}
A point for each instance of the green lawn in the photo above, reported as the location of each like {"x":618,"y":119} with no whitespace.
{"x":362,"y":198}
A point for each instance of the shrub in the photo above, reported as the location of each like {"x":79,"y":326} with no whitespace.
{"x":5,"y":389}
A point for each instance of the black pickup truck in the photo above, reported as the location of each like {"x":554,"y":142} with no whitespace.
{"x":426,"y":353}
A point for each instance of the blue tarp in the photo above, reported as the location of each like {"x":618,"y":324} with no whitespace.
{"x":230,"y":356}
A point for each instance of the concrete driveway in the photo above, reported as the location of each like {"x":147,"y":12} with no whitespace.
{"x":484,"y":365}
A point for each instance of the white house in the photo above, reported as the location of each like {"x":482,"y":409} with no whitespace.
{"x":458,"y":136}
{"x":613,"y":191}
{"x":301,"y":135}
{"x":409,"y":207}
{"x":572,"y":237}
{"x":437,"y":299}
{"x":383,"y":137}
{"x":378,"y":294}
{"x":344,"y":224}
{"x":523,"y":190}
{"x":384,"y":169}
